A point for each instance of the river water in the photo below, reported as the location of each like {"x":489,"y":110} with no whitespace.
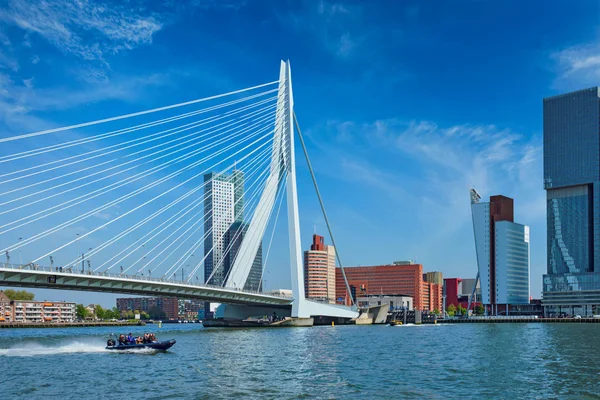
{"x":511,"y":361}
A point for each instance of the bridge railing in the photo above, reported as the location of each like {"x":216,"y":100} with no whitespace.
{"x":78,"y":272}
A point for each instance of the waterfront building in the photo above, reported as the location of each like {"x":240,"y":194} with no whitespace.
{"x":396,"y":301}
{"x":30,"y":311}
{"x":6,"y":314}
{"x":458,"y":291}
{"x":319,"y":271}
{"x":401,"y":277}
{"x":432,"y":297}
{"x":502,"y":248}
{"x":169,"y":305}
{"x":572,"y":183}
{"x":232,"y":243}
{"x":223,"y":205}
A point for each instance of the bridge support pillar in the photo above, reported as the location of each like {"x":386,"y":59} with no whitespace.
{"x":241,"y":312}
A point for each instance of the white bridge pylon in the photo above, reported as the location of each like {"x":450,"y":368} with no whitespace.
{"x":282,"y":171}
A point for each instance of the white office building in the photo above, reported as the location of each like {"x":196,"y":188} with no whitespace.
{"x":502,"y":248}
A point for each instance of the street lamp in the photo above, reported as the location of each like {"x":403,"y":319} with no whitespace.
{"x":20,"y":255}
{"x":77,"y":240}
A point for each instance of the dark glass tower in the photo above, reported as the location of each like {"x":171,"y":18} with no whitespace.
{"x":233,"y":241}
{"x":572,"y":184}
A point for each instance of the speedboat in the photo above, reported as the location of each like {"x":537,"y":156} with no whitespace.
{"x":158,"y":345}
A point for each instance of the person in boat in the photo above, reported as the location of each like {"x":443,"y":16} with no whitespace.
{"x":130,"y":339}
{"x":152,"y":338}
{"x":139,"y":340}
{"x":122,"y":340}
{"x":146,"y":338}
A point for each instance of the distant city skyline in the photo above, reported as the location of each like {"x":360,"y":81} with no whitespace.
{"x":396,"y":144}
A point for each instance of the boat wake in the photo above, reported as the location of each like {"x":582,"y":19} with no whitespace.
{"x":36,"y":349}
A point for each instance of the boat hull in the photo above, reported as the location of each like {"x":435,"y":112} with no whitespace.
{"x":164,"y":345}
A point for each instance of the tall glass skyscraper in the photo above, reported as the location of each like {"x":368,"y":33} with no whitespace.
{"x":572,"y":184}
{"x":233,"y":241}
{"x":223,"y":205}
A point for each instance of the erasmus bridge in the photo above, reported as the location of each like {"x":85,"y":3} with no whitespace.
{"x":131,"y":202}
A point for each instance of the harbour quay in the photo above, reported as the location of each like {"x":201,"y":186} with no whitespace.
{"x":69,"y":324}
{"x":517,"y":319}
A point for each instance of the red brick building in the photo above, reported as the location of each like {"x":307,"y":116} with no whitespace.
{"x":398,"y":278}
{"x":432,"y":297}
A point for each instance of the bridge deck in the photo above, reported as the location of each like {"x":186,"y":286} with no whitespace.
{"x":46,"y":277}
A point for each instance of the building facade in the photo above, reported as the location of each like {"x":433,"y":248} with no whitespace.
{"x":223,"y":205}
{"x":396,"y":302}
{"x":30,"y":311}
{"x":572,"y":183}
{"x":502,"y":248}
{"x":169,"y":305}
{"x":6,"y":313}
{"x":432,"y":297}
{"x":319,"y":271}
{"x":399,"y":278}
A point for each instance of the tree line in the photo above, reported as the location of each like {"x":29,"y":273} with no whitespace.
{"x":114,"y":313}
{"x":19,"y":294}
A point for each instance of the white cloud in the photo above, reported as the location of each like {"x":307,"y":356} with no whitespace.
{"x":84,"y":28}
{"x":28,"y":83}
{"x":577,"y":66}
{"x":35,"y":59}
{"x":441,"y":164}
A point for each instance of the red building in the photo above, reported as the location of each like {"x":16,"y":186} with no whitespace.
{"x":452,"y":291}
{"x":398,"y":278}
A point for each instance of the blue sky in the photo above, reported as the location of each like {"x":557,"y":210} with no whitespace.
{"x":405,"y":104}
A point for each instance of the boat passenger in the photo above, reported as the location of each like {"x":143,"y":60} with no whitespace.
{"x":122,"y":340}
{"x":139,"y":340}
{"x":153,"y":338}
{"x":146,"y":338}
{"x":130,"y":339}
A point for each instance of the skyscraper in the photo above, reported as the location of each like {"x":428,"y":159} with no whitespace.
{"x":233,"y":241}
{"x":572,"y":184}
{"x":223,"y":195}
{"x":502,"y":249}
{"x":319,"y":271}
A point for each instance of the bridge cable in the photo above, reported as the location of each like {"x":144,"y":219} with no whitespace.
{"x":247,"y":205}
{"x":281,"y":196}
{"x":183,"y":212}
{"x":215,"y":269}
{"x":85,"y":177}
{"x":118,"y":132}
{"x":100,"y":121}
{"x":153,"y":184}
{"x":175,"y":240}
{"x":133,"y":178}
{"x":312,"y":174}
{"x":143,"y":140}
